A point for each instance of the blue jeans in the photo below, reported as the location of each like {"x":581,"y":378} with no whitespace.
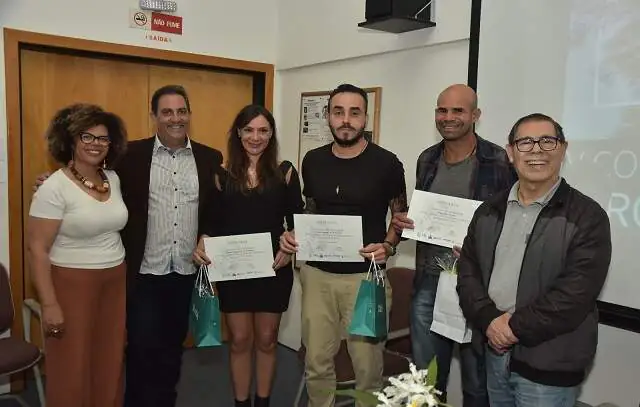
{"x":426,"y":344}
{"x":507,"y":389}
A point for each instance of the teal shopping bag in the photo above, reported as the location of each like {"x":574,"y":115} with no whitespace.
{"x":204,"y":318}
{"x":369,"y":316}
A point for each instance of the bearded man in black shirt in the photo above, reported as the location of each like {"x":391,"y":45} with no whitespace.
{"x":350,"y":176}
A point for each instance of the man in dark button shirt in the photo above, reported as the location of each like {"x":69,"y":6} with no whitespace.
{"x":462,"y":165}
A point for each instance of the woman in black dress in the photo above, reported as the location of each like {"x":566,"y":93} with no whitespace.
{"x":254,"y":193}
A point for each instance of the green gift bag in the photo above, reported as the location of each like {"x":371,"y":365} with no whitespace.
{"x":370,"y":312}
{"x":204,"y":318}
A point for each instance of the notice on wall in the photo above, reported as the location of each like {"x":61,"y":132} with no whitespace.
{"x":315,"y":129}
{"x":159,"y":26}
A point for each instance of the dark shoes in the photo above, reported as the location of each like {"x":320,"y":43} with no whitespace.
{"x":257,"y":402}
{"x":260,"y":401}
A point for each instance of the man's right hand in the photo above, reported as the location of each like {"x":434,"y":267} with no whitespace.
{"x":401,"y":222}
{"x":499,"y":334}
{"x":288,"y":242}
{"x":40,"y":180}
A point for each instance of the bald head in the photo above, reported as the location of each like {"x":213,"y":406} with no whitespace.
{"x":457,"y":111}
{"x":461,"y":93}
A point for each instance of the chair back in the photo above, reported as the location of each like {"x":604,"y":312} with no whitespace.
{"x":401,"y":280}
{"x":6,"y":301}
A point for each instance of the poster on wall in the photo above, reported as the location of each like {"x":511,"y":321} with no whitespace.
{"x":314,"y":129}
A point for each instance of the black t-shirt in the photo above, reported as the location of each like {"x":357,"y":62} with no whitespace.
{"x":363,"y":185}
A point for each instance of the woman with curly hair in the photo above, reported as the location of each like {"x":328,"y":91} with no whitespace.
{"x":77,"y":259}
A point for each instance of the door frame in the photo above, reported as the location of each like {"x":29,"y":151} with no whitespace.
{"x":14,"y":42}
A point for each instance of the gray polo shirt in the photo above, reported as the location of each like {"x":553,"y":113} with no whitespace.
{"x":518,"y":224}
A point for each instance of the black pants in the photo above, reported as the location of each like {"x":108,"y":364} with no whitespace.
{"x":157,"y":324}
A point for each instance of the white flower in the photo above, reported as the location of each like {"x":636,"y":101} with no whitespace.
{"x":408,"y":390}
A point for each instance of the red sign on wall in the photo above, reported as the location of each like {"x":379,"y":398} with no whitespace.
{"x":166,"y":23}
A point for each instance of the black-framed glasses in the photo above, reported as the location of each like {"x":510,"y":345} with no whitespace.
{"x":546,"y":143}
{"x":88,"y":138}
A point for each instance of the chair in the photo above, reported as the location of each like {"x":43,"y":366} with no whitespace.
{"x":30,"y":307}
{"x":16,"y":355}
{"x":397,"y":352}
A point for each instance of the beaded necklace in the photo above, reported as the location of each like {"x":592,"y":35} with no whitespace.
{"x":87,"y":183}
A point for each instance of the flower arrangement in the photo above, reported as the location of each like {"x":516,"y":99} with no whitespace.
{"x":413,"y":389}
{"x":447,"y":264}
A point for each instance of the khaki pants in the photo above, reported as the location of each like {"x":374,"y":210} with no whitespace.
{"x":327,"y":305}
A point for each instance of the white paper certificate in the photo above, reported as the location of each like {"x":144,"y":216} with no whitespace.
{"x":439,"y":219}
{"x":240,"y":257}
{"x":335,"y":238}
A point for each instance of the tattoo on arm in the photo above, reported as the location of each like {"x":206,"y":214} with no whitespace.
{"x":310,"y":206}
{"x":399,"y":204}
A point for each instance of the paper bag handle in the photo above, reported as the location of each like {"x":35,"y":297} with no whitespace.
{"x":378,"y":273}
{"x":203,"y":273}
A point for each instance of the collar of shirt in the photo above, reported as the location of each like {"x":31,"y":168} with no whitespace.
{"x":158,"y":144}
{"x":542,"y":201}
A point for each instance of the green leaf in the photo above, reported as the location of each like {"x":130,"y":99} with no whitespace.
{"x":432,"y":372}
{"x":363,"y":397}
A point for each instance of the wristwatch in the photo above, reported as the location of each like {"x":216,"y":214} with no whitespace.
{"x":391,"y":249}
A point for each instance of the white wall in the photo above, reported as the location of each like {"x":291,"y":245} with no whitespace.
{"x":312,"y":31}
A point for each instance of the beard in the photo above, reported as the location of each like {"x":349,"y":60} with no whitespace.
{"x":348,"y":142}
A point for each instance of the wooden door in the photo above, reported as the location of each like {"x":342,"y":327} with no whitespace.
{"x":52,"y":81}
{"x":215,"y":99}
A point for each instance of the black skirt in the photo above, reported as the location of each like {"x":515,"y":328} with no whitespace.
{"x":266,"y":294}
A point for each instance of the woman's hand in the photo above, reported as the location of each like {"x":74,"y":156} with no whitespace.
{"x":281,"y":260}
{"x":53,"y":320}
{"x":288,"y":242}
{"x":199,"y":255}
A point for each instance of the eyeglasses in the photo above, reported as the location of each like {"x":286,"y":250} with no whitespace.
{"x":87,"y":138}
{"x":262,"y":132}
{"x":546,"y":143}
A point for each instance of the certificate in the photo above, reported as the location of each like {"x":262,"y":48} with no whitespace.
{"x":439,"y":219}
{"x":335,"y":238}
{"x":239,"y":257}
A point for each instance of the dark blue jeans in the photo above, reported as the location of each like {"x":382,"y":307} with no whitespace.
{"x":426,"y":345}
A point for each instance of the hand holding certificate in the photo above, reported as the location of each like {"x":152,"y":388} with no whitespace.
{"x":335,"y":238}
{"x":239,"y":257}
{"x":439,"y":219}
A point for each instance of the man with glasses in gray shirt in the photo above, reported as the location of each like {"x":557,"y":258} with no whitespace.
{"x":531,"y":268}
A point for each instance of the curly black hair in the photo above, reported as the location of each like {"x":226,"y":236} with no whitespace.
{"x":68,"y":123}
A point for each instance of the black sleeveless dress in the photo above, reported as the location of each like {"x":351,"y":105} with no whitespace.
{"x":257,"y":212}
